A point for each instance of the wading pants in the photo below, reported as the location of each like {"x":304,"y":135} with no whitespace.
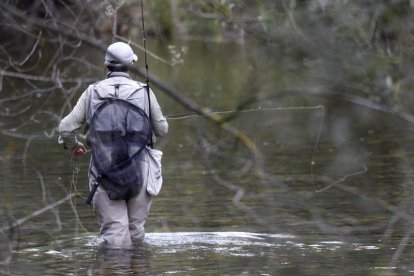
{"x":122,"y":222}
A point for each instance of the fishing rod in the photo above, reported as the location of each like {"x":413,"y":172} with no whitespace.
{"x":145,"y":45}
{"x":151,"y":144}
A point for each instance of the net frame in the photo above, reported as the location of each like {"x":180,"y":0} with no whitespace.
{"x":121,"y":177}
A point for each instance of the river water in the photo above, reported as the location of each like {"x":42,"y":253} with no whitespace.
{"x":328,"y":193}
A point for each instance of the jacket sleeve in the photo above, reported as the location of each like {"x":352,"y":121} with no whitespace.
{"x":158,"y":120}
{"x":72,"y":122}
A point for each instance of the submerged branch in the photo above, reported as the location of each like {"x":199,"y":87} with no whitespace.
{"x":354,"y":99}
{"x":36,"y":213}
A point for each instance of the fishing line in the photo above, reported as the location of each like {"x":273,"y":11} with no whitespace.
{"x":75,"y":169}
{"x":195,"y":115}
{"x":297,"y":108}
{"x":74,"y":164}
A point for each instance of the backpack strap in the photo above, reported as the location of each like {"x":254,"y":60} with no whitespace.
{"x":95,"y":186}
{"x":151,"y":144}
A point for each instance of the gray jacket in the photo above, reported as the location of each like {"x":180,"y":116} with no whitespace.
{"x":106,"y":89}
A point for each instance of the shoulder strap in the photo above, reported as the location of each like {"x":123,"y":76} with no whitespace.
{"x":149,"y":112}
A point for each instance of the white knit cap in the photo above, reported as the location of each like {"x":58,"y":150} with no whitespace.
{"x":120,"y":52}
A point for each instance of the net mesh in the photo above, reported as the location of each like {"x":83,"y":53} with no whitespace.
{"x":119,"y":132}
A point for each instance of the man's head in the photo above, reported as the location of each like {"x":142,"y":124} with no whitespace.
{"x":119,"y":56}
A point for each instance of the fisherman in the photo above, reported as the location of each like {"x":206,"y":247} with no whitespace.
{"x":121,"y":221}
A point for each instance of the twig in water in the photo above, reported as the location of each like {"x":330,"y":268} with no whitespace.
{"x":37,"y":213}
{"x":342,"y":179}
{"x":239,"y":193}
{"x":401,"y":246}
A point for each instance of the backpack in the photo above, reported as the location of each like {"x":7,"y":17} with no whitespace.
{"x":118,"y":134}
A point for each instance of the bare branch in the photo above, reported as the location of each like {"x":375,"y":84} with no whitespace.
{"x":36,"y":213}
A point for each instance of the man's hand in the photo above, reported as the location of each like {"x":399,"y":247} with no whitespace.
{"x":78,"y":150}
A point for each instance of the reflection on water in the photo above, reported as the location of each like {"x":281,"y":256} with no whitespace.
{"x":191,"y":253}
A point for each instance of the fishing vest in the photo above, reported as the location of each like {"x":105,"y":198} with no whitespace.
{"x":118,"y":132}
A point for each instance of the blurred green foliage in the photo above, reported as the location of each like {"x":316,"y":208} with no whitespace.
{"x":363,"y":47}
